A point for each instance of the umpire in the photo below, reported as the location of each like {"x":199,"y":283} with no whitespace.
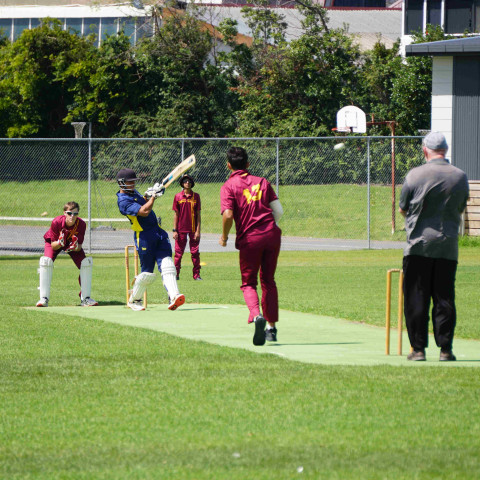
{"x":433,"y":198}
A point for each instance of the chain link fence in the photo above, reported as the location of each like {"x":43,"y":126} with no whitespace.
{"x":340,"y":188}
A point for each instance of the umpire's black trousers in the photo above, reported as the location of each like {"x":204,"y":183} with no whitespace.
{"x":424,"y":279}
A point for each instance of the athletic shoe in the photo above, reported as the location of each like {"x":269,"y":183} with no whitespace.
{"x":177,"y":302}
{"x":271,"y":334}
{"x":416,"y":356}
{"x":178,"y":277}
{"x":197,"y":278}
{"x":447,"y":356}
{"x":89,"y":302}
{"x":259,"y":335}
{"x":136,"y":305}
{"x":43,"y":302}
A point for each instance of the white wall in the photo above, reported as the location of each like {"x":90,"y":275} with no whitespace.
{"x":442,"y":97}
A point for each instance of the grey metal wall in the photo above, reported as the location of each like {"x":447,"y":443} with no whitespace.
{"x":466,"y":114}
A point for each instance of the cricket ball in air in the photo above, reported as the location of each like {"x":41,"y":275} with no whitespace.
{"x":339,"y":146}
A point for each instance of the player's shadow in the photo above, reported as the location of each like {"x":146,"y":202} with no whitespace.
{"x":324,"y":343}
{"x":110,"y":303}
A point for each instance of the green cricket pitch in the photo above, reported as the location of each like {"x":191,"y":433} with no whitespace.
{"x":303,"y":337}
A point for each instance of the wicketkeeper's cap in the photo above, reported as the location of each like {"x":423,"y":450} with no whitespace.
{"x":126,"y":175}
{"x":435,"y":141}
{"x":187,"y":177}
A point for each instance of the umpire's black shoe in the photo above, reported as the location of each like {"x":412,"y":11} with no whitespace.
{"x":271,"y":334}
{"x":447,"y":356}
{"x":259,"y":335}
{"x":416,"y":356}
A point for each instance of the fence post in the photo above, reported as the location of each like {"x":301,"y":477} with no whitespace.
{"x":89,"y":187}
{"x":368,"y":191}
{"x":183,"y":150}
{"x":278,"y":165}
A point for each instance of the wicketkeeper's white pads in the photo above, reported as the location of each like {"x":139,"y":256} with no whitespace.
{"x":86,"y":277}
{"x":46,"y":272}
{"x":141,"y":282}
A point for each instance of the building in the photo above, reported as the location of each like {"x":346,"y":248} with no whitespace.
{"x":454,"y":16}
{"x":456,"y":97}
{"x":82,"y":18}
{"x":366,"y":20}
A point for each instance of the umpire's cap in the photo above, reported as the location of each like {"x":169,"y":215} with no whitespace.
{"x":187,"y":177}
{"x":126,"y":175}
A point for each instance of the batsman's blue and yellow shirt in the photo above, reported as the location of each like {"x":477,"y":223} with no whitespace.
{"x":129,"y":205}
{"x":151,"y":242}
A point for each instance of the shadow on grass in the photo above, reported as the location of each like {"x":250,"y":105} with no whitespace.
{"x":325,"y":343}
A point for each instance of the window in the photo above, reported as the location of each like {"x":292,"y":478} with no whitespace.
{"x":414,"y":16}
{"x":19,"y":25}
{"x":127,"y":26}
{"x":91,"y":25}
{"x":74,"y":25}
{"x":134,"y":28}
{"x":145,"y":27}
{"x":434,"y":12}
{"x":477,"y":15}
{"x":109,"y":26}
{"x":458,"y":16}
{"x":6,"y":27}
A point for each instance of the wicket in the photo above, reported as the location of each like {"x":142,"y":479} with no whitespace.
{"x":388,"y":309}
{"x":127,"y":272}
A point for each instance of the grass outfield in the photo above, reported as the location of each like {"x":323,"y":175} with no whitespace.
{"x":338,"y":211}
{"x":90,"y":400}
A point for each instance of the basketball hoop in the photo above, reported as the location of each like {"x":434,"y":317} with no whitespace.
{"x":351,"y":119}
{"x":78,"y":127}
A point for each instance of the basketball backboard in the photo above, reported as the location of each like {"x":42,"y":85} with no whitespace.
{"x":351,"y":119}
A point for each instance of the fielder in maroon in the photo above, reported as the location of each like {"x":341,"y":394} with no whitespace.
{"x":251,"y":202}
{"x":186,"y":224}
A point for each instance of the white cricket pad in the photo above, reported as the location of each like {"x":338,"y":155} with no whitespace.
{"x":86,"y":277}
{"x":46,"y":272}
{"x":141,"y":282}
{"x":169,"y":277}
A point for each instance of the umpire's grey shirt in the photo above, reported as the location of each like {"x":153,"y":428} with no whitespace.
{"x":434,"y":196}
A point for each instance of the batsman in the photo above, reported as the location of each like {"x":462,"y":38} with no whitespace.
{"x":151,"y":241}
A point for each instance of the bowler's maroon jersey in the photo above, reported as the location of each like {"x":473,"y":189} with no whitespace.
{"x":187,"y":208}
{"x":249,"y":198}
{"x":58,"y":224}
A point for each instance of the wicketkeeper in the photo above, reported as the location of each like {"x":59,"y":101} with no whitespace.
{"x":66,"y":234}
{"x":151,"y":241}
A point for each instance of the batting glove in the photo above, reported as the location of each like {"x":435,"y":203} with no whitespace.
{"x":149,"y":193}
{"x":160,"y":192}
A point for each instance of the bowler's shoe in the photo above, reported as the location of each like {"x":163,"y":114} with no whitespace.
{"x":259,"y":335}
{"x":271,"y":334}
{"x":416,"y":356}
{"x":447,"y":356}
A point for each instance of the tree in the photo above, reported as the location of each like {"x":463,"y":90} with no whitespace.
{"x":105,"y":85}
{"x":297,"y":87}
{"x":34,"y":94}
{"x":182,"y":93}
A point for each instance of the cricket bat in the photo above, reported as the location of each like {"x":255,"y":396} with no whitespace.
{"x":180,"y":169}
